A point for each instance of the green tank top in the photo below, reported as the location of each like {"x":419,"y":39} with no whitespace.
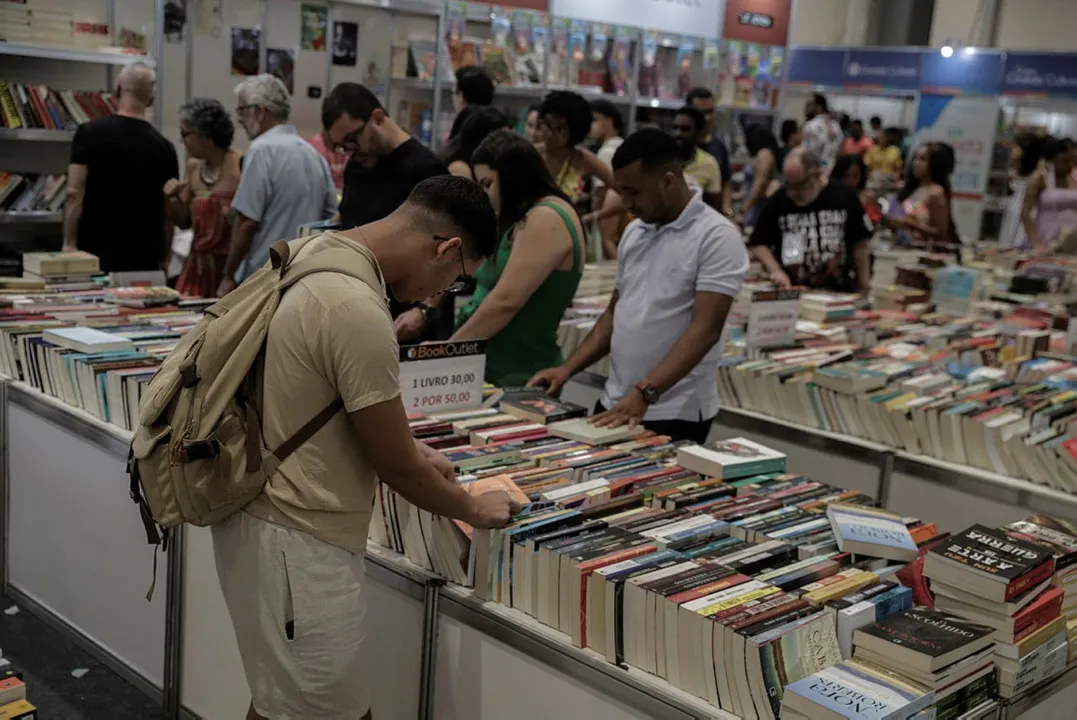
{"x":528,"y":343}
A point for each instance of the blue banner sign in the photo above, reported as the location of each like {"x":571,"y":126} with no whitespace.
{"x":882,"y":69}
{"x":1040,"y":75}
{"x":814,"y":66}
{"x":967,"y":72}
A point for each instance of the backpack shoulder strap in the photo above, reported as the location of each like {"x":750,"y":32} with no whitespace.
{"x":337,"y":260}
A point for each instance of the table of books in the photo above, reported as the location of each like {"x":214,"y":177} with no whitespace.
{"x":487,"y":660}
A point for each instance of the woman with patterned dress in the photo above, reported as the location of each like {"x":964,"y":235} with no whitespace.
{"x":202,"y":201}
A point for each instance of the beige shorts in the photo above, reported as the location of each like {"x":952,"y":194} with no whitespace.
{"x":298,"y":611}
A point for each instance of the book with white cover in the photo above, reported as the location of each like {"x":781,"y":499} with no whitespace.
{"x":868,"y":531}
{"x":733,"y":458}
{"x":87,"y":340}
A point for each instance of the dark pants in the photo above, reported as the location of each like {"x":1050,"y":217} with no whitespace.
{"x":694,"y":430}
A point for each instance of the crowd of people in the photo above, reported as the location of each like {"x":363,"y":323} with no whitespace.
{"x":505,"y":211}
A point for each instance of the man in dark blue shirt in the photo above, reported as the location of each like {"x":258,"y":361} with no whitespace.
{"x":702,"y":99}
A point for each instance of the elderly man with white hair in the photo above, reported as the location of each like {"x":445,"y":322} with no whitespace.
{"x":285,"y":182}
{"x":114,"y":207}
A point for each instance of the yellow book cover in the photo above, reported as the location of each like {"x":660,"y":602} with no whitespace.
{"x":823,"y":595}
{"x":738,"y":600}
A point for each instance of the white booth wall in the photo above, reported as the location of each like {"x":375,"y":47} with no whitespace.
{"x":1022,"y":24}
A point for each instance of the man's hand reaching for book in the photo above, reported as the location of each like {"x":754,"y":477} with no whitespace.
{"x":491,"y":510}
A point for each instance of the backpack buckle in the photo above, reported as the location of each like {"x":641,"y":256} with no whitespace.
{"x":200,"y":450}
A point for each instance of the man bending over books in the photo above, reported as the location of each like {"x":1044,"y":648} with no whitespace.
{"x":291,"y":563}
{"x":680,"y":264}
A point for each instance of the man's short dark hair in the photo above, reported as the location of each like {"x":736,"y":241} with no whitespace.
{"x":450,"y":204}
{"x":653,"y":148}
{"x":607,"y":109}
{"x":475,"y":85}
{"x":348,"y":97}
{"x":819,"y":100}
{"x":698,"y":93}
{"x":876,"y":122}
{"x":698,"y":118}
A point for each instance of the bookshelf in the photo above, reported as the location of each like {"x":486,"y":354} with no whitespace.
{"x":40,"y":147}
{"x":98,"y":57}
{"x":30,"y":218}
{"x":36,"y":135}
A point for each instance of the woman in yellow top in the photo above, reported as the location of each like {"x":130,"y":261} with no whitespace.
{"x":884,"y":161}
{"x":564,"y":122}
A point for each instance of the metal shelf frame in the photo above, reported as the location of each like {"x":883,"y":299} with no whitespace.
{"x":96,"y":57}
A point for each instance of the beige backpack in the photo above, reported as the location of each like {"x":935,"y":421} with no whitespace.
{"x":198,"y":454}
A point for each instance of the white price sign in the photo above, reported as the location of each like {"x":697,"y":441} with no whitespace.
{"x":772,"y":319}
{"x":442,"y":375}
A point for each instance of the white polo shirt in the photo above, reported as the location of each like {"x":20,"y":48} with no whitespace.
{"x":659,"y":271}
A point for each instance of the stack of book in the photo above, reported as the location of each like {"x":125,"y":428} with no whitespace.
{"x":1005,"y":584}
{"x":827,"y":307}
{"x":1060,"y":537}
{"x":950,"y":658}
{"x":54,"y":268}
{"x":31,"y":193}
{"x":41,"y":107}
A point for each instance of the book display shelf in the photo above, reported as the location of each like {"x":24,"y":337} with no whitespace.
{"x":59,"y":67}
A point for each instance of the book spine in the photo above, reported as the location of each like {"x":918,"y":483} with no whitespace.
{"x":1029,"y":580}
{"x":1035,"y":622}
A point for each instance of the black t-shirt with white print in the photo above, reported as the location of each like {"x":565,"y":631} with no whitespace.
{"x":814,"y":242}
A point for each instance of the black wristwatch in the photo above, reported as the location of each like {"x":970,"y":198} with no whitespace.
{"x":650,"y":393}
{"x":430,"y":313}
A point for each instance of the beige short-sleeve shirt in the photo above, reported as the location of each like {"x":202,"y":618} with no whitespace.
{"x":331,"y":336}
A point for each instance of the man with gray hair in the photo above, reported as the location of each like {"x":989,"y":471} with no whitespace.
{"x":813,"y":232}
{"x":285,"y":182}
{"x":114,"y":208}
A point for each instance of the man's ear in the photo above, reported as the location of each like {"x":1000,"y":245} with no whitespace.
{"x":448,"y":246}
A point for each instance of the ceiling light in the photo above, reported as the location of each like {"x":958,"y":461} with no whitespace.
{"x":947,"y":51}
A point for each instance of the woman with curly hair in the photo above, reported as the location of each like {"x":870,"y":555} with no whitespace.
{"x":203,"y":199}
{"x":564,"y":122}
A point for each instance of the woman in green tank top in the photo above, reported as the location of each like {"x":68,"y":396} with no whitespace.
{"x":524,"y":288}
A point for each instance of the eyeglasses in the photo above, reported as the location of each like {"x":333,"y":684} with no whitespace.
{"x":465,"y":281}
{"x":244,"y":108}
{"x":350,"y":142}
{"x":684,"y":127}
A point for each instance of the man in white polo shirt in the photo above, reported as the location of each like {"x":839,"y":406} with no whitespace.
{"x":680,"y":264}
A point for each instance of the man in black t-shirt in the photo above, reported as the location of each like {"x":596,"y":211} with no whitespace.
{"x":114,"y":207}
{"x":386,"y":164}
{"x":812,"y":232}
